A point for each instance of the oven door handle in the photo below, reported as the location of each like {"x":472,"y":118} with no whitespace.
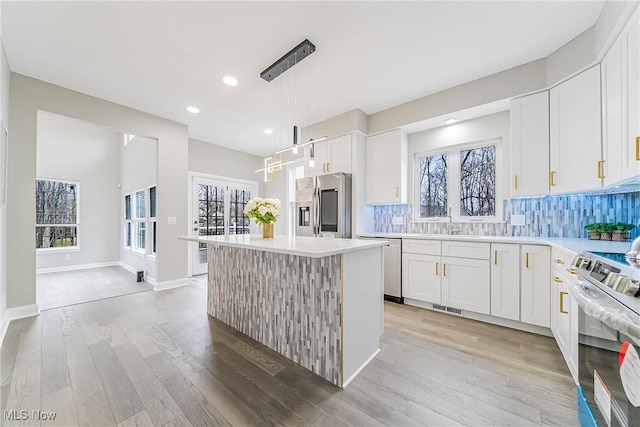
{"x":597,"y":304}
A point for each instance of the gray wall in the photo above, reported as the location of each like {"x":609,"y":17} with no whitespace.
{"x":4,"y":116}
{"x":27,"y":97}
{"x":138,"y":171}
{"x":68,"y":149}
{"x":215,"y":160}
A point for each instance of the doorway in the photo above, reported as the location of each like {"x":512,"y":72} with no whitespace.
{"x":217,"y":209}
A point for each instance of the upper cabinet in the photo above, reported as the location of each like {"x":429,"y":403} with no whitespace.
{"x":386,"y":168}
{"x":575,"y":134}
{"x":530,"y":145}
{"x":331,"y":156}
{"x":620,"y":106}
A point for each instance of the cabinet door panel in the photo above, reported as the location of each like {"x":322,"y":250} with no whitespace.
{"x":631,"y":94}
{"x":421,"y":277}
{"x":465,"y":284}
{"x":339,"y":159}
{"x":575,"y":133}
{"x":421,"y":246}
{"x":530,"y":145}
{"x":465,"y":249}
{"x":612,"y":111}
{"x":505,"y":281}
{"x":535,"y":294}
{"x":386,"y":168}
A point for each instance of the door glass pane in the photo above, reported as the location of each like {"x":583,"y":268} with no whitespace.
{"x":433,"y":186}
{"x":478,"y":182}
{"x":210,"y":215}
{"x":238,"y":222}
{"x":329,"y":213}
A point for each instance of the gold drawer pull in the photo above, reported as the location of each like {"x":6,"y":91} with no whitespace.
{"x":638,"y":148}
{"x":444,"y":270}
{"x":397,"y":192}
{"x":495,"y":257}
{"x":516,"y":181}
{"x":559,"y":261}
{"x":437,"y":268}
{"x":557,"y":279}
{"x":600,"y":174}
{"x":572,"y":271}
{"x":562,"y":310}
{"x":552,"y":178}
{"x":526,"y":259}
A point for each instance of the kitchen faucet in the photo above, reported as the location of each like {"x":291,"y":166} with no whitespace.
{"x":450,"y":228}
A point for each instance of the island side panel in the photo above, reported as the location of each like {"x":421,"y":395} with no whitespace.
{"x":363,"y":315}
{"x":291,"y":304}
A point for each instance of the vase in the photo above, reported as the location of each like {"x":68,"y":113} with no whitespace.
{"x":267,"y":231}
{"x":605,"y":236}
{"x":594,"y":235}
{"x":621,"y":236}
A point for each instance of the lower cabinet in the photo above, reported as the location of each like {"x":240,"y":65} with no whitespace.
{"x":421,"y":277}
{"x":564,"y":320}
{"x":466,"y":284}
{"x":505,"y":280}
{"x":535,"y":270}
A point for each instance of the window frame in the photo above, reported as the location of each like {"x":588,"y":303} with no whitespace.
{"x":453,"y":181}
{"x":148,"y":221}
{"x":54,"y":249}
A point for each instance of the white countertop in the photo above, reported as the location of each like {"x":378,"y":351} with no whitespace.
{"x":574,"y":245}
{"x":312,"y":247}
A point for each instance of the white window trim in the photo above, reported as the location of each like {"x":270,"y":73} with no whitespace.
{"x":135,"y":221}
{"x":148,"y":220}
{"x":126,"y":221}
{"x":75,"y":248}
{"x":453,"y":182}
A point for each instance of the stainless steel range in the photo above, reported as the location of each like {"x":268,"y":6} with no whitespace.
{"x":608,"y":295}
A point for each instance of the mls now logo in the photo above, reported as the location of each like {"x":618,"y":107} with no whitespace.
{"x":22,"y":415}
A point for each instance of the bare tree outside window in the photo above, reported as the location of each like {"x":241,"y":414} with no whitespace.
{"x":478,"y":182}
{"x":56,"y":214}
{"x":433,"y":186}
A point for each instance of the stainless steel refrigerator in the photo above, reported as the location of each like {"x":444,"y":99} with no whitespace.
{"x":323,"y":206}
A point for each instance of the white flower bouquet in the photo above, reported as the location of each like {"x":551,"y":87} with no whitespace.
{"x":264,"y":211}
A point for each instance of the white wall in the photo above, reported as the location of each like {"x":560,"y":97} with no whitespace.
{"x":475,"y":130}
{"x":29,"y":96}
{"x":4,"y":117}
{"x":138,"y":171}
{"x":68,"y":149}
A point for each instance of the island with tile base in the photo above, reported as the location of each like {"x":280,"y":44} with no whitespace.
{"x":316,"y":301}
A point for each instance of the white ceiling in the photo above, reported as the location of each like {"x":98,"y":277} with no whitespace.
{"x":160,"y":57}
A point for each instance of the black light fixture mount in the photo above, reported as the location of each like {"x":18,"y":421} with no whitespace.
{"x":290,"y":59}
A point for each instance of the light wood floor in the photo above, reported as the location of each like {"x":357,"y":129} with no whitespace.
{"x":156,"y":358}
{"x":55,"y":290}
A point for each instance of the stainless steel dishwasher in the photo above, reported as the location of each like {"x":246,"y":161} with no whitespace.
{"x":392,"y":269}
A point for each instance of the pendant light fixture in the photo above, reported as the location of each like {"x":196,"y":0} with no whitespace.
{"x":312,"y":159}
{"x":294,"y":149}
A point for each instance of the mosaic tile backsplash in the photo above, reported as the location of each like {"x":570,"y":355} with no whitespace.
{"x":551,"y":216}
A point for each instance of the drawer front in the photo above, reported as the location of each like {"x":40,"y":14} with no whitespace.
{"x":421,"y":247}
{"x":473,"y":250}
{"x":561,"y":262}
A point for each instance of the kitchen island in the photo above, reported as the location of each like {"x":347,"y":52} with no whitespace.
{"x":318,"y":302}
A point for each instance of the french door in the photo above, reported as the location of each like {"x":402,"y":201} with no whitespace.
{"x":217,"y":210}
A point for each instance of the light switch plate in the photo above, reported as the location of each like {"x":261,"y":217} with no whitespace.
{"x":517,"y":220}
{"x":397,"y":220}
{"x":172,"y":220}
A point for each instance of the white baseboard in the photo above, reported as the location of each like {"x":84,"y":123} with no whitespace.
{"x":364,"y":365}
{"x":170,"y":284}
{"x":127,"y":267}
{"x":15,"y":313}
{"x":77,"y":267}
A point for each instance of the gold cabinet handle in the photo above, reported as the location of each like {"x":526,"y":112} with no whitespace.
{"x":559,"y":261}
{"x":552,"y":178}
{"x":515,"y":183}
{"x":600,"y":174}
{"x":562,"y":310}
{"x":572,"y":271}
{"x":328,"y":166}
{"x":444,"y":270}
{"x":437,"y":268}
{"x":397,"y":191}
{"x":495,"y":257}
{"x":526,"y":259}
{"x":557,"y":279}
{"x":638,"y":148}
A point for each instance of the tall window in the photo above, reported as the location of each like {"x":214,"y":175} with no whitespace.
{"x":238,"y":222}
{"x":127,"y":220}
{"x":139,"y":221}
{"x":152,"y":218}
{"x":462,"y":177}
{"x":56,"y":214}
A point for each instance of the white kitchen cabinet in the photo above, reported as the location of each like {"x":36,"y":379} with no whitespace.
{"x":535,"y":270}
{"x":421,"y":277}
{"x":575,"y":134}
{"x":564,"y":320}
{"x":466,"y":284}
{"x":530,"y":145}
{"x":386,"y":168}
{"x":331,"y":156}
{"x":505,"y":281}
{"x":462,"y":249}
{"x":422,"y":246}
{"x":621,"y":105}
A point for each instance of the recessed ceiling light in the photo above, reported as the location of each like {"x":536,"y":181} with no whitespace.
{"x":194,"y":110}
{"x":268,"y":131}
{"x":231,"y":81}
{"x":449,"y":121}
